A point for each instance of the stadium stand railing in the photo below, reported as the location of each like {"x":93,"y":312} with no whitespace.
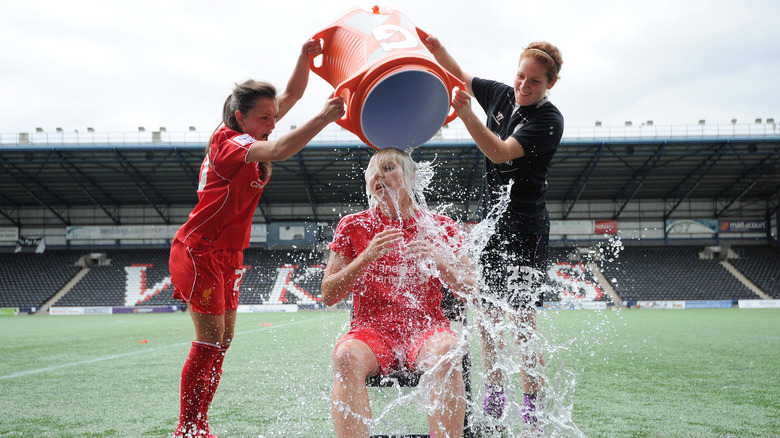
{"x":450,"y":133}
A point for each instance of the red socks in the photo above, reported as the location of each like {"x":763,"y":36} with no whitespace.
{"x":197,"y":380}
{"x":214,"y":376}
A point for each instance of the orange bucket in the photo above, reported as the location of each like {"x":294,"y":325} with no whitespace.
{"x":396,"y":94}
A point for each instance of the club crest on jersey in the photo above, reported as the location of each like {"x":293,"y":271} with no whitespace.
{"x":244,"y":139}
{"x":498,"y":118}
{"x":207,"y":297}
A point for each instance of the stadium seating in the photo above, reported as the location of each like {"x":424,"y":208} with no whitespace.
{"x":761,"y":265}
{"x":106,"y":285}
{"x":671,"y":273}
{"x":276,"y":276}
{"x":29,"y":279}
{"x":568,"y":277}
{"x":638,"y":273}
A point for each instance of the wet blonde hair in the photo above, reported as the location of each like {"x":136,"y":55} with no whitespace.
{"x":391,"y":155}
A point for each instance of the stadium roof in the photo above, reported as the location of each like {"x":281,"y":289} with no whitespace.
{"x":163,"y":172}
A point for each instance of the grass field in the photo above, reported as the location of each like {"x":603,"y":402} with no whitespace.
{"x":630,"y":373}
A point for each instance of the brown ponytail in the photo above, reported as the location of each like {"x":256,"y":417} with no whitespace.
{"x":243,"y":98}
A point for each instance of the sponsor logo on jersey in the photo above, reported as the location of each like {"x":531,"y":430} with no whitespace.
{"x":257,"y":184}
{"x":244,"y":139}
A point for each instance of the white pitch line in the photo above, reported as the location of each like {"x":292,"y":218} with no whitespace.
{"x":117,"y":356}
{"x":85,"y":362}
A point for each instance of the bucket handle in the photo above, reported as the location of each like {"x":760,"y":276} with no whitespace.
{"x":454,"y":82}
{"x":423,"y":35}
{"x":323,"y":35}
{"x":346,"y":89}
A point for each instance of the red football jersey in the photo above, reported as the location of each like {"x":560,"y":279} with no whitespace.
{"x":228,"y":192}
{"x":397,"y":292}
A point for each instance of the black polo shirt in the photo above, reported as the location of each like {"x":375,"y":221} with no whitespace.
{"x":538,"y":128}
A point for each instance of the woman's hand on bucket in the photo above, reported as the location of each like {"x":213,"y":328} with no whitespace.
{"x":432,"y":44}
{"x":311,"y":48}
{"x":461,"y":102}
{"x":334,"y":109}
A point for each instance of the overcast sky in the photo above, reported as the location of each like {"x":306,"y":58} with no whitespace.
{"x":115,"y":66}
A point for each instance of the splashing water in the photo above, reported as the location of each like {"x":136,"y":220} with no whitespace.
{"x":515,"y":358}
{"x":558,"y":375}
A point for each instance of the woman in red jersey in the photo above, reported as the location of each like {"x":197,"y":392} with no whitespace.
{"x":394,"y":259}
{"x":206,"y":261}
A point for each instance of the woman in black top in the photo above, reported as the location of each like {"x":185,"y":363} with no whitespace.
{"x":521,"y":135}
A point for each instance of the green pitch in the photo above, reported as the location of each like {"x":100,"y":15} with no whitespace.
{"x":635,"y":373}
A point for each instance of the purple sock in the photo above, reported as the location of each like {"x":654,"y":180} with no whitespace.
{"x":530,"y":405}
{"x":493,"y":403}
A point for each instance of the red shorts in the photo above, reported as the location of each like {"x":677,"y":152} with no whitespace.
{"x":207,"y":280}
{"x":392,"y":351}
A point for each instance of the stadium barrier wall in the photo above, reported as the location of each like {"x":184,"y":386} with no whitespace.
{"x":110,"y":310}
{"x":696,"y":304}
{"x":576,"y":305}
{"x":266,"y":308}
{"x":244,"y":308}
{"x":759,"y":304}
{"x":290,"y":308}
